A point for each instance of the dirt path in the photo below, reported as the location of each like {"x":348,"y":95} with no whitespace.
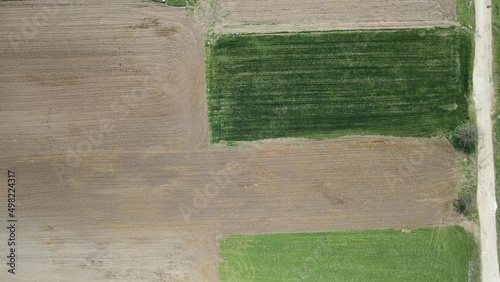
{"x":483,"y":98}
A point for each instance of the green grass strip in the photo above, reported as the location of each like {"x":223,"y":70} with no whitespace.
{"x":179,"y":3}
{"x":427,"y":254}
{"x":496,"y":39}
{"x":466,"y":13}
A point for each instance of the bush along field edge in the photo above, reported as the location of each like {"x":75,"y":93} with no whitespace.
{"x":466,"y":14}
{"x":464,"y":138}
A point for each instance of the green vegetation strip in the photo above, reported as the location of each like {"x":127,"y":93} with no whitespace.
{"x":466,"y":13}
{"x":396,"y":82}
{"x":176,"y":2}
{"x":179,"y":3}
{"x":496,"y":38}
{"x":428,"y":254}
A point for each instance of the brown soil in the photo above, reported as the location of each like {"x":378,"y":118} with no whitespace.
{"x":145,"y":198}
{"x":241,"y":16}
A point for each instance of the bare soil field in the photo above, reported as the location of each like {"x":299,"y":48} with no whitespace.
{"x":264,"y":16}
{"x":156,"y":215}
{"x":103,"y":120}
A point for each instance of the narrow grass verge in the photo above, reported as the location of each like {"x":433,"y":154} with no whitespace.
{"x":496,"y":133}
{"x":466,"y":13}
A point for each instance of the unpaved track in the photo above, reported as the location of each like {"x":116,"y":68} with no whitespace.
{"x":118,"y":212}
{"x":243,"y":16}
{"x":483,"y":98}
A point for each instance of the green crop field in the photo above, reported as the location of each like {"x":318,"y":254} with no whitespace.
{"x":427,"y":254}
{"x":395,"y":82}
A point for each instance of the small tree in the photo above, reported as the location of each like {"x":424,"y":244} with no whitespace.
{"x":465,"y":137}
{"x":466,"y":204}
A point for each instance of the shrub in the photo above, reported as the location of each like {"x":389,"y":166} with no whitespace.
{"x":465,"y":137}
{"x":466,"y":204}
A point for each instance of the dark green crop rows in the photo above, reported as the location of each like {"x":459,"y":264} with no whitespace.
{"x":395,"y":82}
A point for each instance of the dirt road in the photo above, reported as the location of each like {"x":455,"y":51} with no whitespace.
{"x":483,"y":98}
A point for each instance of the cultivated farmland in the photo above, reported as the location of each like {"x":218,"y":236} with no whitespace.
{"x":399,"y":82}
{"x":104,"y":120}
{"x":428,"y":254}
{"x":167,"y":208}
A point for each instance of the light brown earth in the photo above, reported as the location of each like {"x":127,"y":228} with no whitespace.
{"x":242,"y":16}
{"x":133,"y":192}
{"x":157,"y":214}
